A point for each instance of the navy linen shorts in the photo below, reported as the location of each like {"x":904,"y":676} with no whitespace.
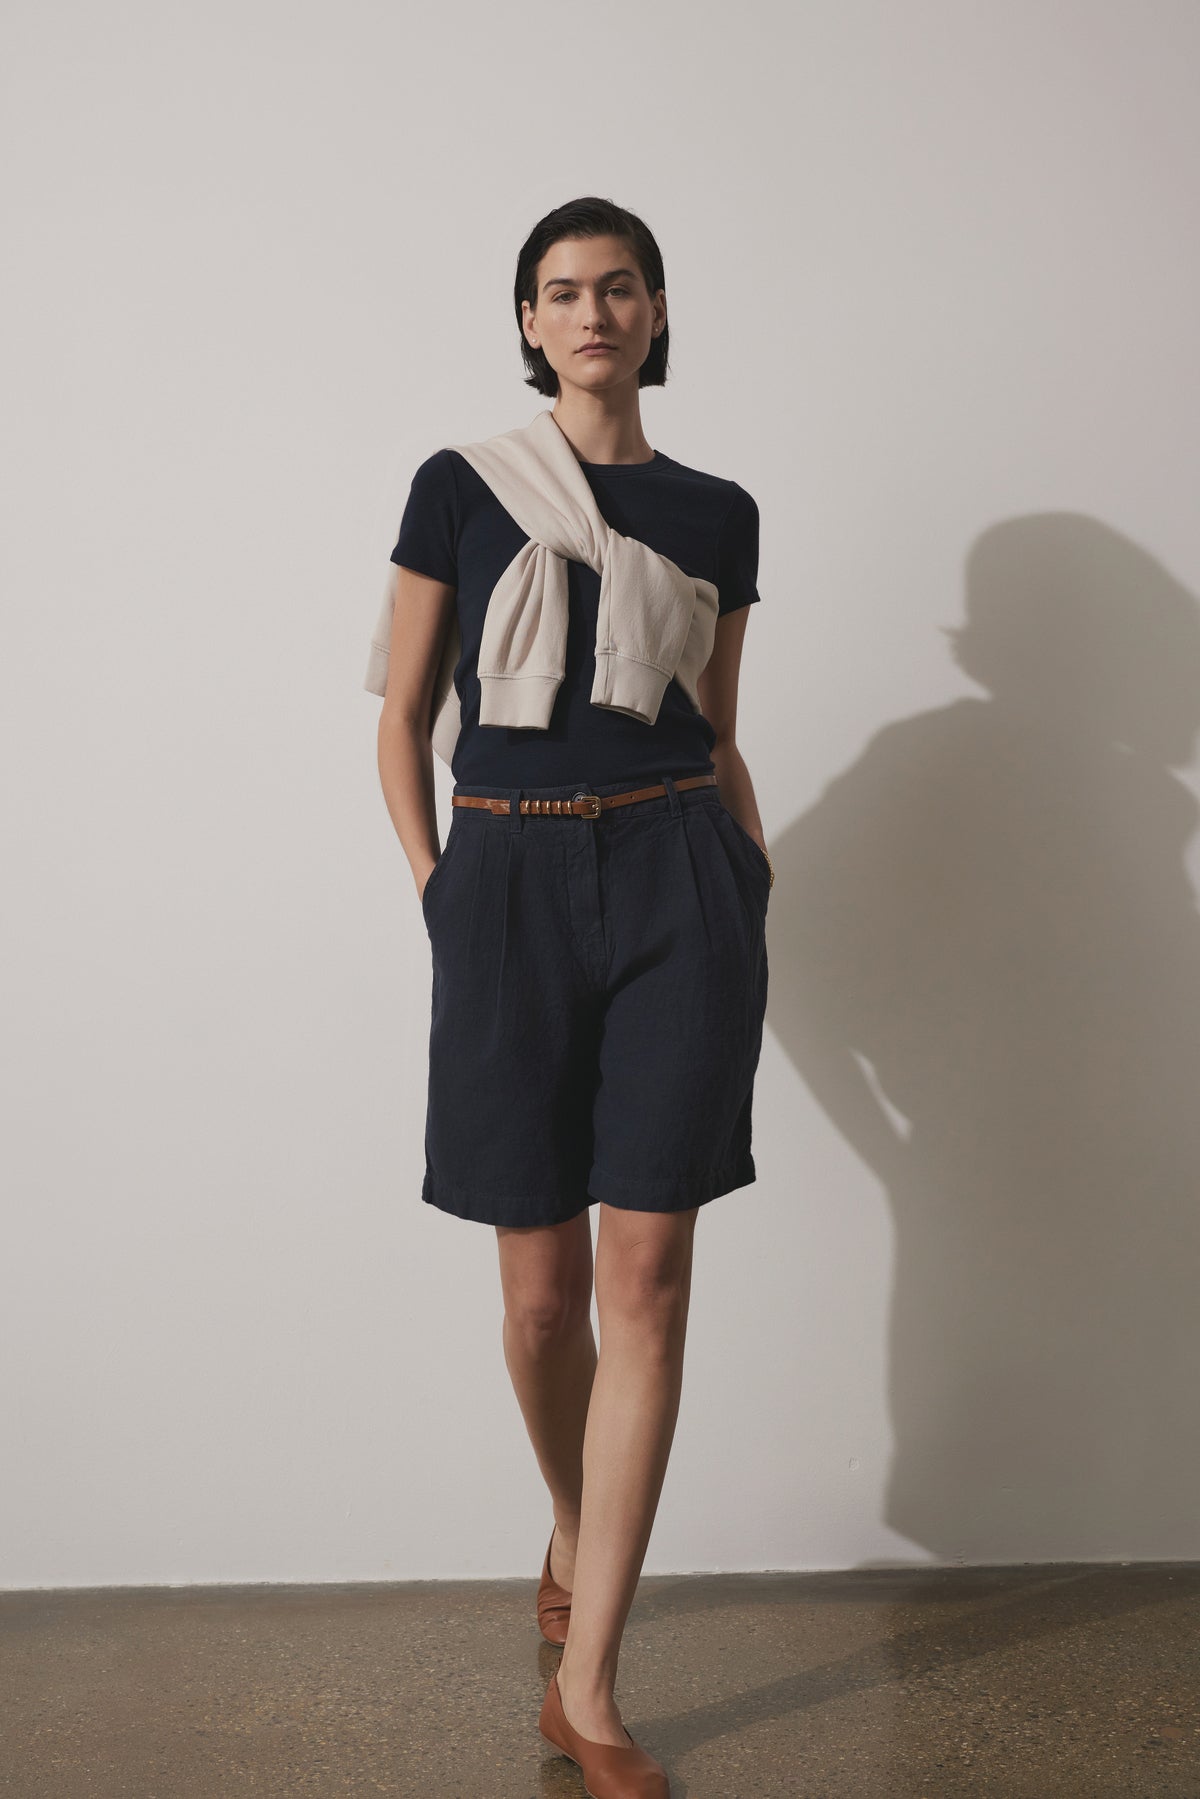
{"x":599,"y":990}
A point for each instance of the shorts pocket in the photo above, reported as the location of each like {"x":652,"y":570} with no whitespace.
{"x":753,"y":849}
{"x":438,"y":870}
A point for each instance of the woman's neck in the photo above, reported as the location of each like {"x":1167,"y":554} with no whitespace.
{"x":600,"y":436}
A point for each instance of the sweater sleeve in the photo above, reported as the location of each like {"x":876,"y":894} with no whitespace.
{"x":737,"y":554}
{"x":428,"y":540}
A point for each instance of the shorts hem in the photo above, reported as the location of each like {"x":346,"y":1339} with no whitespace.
{"x":510,"y":1213}
{"x":674,"y":1194}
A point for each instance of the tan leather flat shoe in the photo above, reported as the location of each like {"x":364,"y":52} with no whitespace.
{"x":608,"y":1772}
{"x":553,"y":1604}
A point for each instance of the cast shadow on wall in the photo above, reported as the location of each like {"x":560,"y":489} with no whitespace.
{"x":989,"y":922}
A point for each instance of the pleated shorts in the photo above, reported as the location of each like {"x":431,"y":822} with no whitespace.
{"x":599,"y":992}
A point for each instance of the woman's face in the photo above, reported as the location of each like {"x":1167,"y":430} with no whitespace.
{"x":591,"y":291}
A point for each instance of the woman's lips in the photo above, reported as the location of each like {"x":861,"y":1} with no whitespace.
{"x":597,"y":350}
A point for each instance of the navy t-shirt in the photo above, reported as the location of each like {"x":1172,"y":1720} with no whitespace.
{"x":455,"y":530}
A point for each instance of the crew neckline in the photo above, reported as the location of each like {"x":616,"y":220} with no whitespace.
{"x":623,"y":468}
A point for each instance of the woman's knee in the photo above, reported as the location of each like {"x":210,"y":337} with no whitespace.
{"x":546,"y":1278}
{"x":543,"y":1319}
{"x":643,"y":1273}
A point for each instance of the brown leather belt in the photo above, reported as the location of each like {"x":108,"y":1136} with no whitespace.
{"x":583,"y":805}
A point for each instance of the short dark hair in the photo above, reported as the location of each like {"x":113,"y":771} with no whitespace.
{"x":588,"y":217}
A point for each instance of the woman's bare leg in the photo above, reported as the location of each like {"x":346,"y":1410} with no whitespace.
{"x":550,"y":1353}
{"x":643,"y":1286}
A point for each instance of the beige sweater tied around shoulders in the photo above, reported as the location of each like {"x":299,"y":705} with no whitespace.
{"x":654,"y":623}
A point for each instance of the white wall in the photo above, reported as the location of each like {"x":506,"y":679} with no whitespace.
{"x":933,"y":278}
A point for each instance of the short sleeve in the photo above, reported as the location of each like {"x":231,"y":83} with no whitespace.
{"x":428,"y":540}
{"x":737,"y":554}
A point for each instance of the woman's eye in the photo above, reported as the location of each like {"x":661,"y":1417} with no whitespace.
{"x":565,"y":295}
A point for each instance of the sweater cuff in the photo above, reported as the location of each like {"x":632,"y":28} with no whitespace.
{"x":626,"y":685}
{"x":375,"y":680}
{"x":522,"y":702}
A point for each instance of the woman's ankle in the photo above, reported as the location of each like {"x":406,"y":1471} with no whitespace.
{"x":589,"y":1686}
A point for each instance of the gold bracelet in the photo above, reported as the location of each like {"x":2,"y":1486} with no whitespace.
{"x":771,"y":866}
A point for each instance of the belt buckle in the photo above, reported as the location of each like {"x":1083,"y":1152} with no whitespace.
{"x":595,"y":800}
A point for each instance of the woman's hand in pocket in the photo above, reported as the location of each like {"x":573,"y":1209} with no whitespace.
{"x":425,"y":879}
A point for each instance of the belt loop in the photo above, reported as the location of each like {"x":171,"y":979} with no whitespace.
{"x":672,"y":796}
{"x":516,"y":817}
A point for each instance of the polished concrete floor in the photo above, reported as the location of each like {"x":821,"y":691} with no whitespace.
{"x":1029,"y":1683}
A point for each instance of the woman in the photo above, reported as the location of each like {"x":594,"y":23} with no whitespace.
{"x":597,"y":917}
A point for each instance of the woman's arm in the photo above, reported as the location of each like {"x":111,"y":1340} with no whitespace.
{"x":717,"y":690}
{"x":423,"y":613}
